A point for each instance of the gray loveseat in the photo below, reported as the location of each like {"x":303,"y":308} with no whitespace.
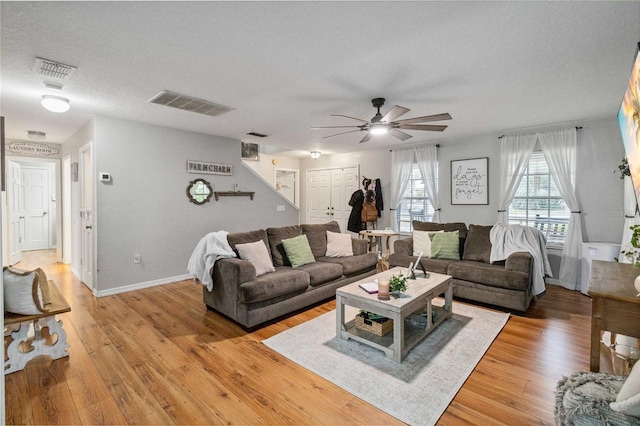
{"x":506,"y":284}
{"x":250,"y":300}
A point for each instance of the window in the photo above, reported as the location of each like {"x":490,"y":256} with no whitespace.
{"x":415,"y":204}
{"x":538,"y":204}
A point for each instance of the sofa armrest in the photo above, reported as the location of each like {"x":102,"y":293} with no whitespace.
{"x":359,"y":246}
{"x":519,"y":261}
{"x":232,"y":272}
{"x":403,"y":246}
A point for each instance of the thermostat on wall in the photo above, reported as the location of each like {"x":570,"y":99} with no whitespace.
{"x":105,"y":177}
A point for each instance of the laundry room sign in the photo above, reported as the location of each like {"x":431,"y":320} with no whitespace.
{"x":31,"y":149}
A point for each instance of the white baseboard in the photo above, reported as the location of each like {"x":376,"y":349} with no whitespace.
{"x":140,"y":286}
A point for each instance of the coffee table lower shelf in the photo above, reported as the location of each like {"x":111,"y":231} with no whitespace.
{"x":413,"y":333}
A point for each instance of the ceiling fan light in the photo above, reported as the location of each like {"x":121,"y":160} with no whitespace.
{"x":315,"y":154}
{"x":379,"y":129}
{"x":55,"y":103}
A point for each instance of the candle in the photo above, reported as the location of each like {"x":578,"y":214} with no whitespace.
{"x":383,"y":289}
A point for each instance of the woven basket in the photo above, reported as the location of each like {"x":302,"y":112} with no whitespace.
{"x":379,"y":328}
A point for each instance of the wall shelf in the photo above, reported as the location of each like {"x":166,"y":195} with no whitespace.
{"x":218,"y":194}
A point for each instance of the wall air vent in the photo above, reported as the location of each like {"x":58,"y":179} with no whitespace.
{"x":256,"y":134}
{"x":189,"y":103}
{"x":53,"y":69}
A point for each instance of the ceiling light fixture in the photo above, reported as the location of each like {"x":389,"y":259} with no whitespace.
{"x":315,"y":154}
{"x":379,"y":129}
{"x":55,"y":103}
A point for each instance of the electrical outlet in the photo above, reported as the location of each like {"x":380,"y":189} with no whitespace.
{"x":136,"y":258}
{"x":280,"y":207}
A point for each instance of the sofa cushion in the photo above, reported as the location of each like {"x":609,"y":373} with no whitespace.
{"x":247,"y":237}
{"x":445,"y":245}
{"x":283,"y":281}
{"x":477,"y":245}
{"x":298,"y":250}
{"x":317,"y":236}
{"x":487,"y":274}
{"x":258,"y":255}
{"x":322,"y":272}
{"x":338,"y":245}
{"x":422,"y":242}
{"x":275,"y":237}
{"x":461,"y":227}
{"x":353,"y":265}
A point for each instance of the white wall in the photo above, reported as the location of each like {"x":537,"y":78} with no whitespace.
{"x":599,"y":190}
{"x":265,"y":169}
{"x":145,"y":210}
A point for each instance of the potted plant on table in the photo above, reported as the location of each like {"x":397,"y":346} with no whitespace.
{"x":633,"y":254}
{"x":397,"y":283}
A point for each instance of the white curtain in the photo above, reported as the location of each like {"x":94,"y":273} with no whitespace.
{"x":631,"y":218}
{"x":559,"y":148}
{"x":427,"y":158}
{"x":401,"y":163}
{"x":515,"y":152}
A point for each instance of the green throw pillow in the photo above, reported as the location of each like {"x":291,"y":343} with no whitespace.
{"x":298,"y":250}
{"x":445,"y":245}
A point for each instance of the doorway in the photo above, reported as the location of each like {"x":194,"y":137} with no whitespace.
{"x":86,"y":213}
{"x":31,"y":207}
{"x":286,"y":183}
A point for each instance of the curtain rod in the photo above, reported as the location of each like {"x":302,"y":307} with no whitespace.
{"x":577,"y":128}
{"x":437,"y":146}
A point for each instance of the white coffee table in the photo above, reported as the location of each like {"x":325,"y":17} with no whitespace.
{"x":406,"y":334}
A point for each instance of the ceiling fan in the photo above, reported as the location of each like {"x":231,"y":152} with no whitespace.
{"x":380,"y":124}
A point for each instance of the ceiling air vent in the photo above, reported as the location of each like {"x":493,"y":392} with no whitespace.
{"x":256,"y":134}
{"x":189,"y":103}
{"x":53,"y":69}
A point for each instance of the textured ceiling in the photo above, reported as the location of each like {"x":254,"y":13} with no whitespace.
{"x":287,"y":66}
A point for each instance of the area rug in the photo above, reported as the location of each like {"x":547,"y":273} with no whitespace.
{"x":416,"y":391}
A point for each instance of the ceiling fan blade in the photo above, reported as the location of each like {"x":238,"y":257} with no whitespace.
{"x":343,"y":133}
{"x":425,"y":119}
{"x":398,"y":134}
{"x":350,"y":118}
{"x":429,"y":127}
{"x":394,"y":113}
{"x":334,"y":127}
{"x":366,"y":138}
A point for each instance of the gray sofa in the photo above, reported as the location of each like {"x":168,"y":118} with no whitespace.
{"x":249,"y":300}
{"x":506,"y":284}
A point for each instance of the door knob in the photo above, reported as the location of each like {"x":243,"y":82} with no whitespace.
{"x":88,"y":227}
{"x":44,"y":213}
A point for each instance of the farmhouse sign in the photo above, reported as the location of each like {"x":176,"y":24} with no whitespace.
{"x":201,"y":167}
{"x":470,"y":181}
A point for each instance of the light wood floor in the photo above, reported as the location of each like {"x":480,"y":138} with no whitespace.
{"x":157,"y":356}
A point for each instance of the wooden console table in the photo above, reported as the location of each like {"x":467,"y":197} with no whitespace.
{"x":615,"y":307}
{"x":22,"y":348}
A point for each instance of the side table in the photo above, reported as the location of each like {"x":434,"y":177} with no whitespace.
{"x":614,"y":307}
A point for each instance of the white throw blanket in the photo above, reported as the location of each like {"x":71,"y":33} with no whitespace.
{"x":211,"y":247}
{"x":508,"y":239}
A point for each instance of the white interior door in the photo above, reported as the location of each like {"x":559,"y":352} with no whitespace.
{"x":343,"y":183}
{"x":66,"y":210}
{"x":14,"y":206}
{"x":318,"y":196}
{"x":35,"y":184}
{"x":86,"y":211}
